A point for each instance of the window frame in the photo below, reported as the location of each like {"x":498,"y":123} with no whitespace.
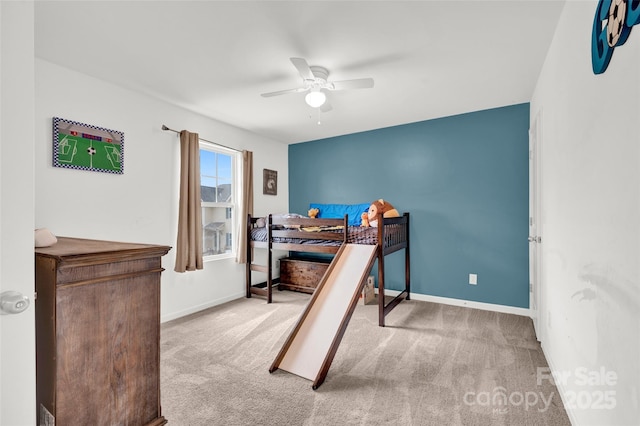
{"x":234,"y":205}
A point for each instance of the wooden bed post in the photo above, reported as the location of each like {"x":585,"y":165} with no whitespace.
{"x":269,"y":259}
{"x":380,"y":254}
{"x":407,"y":262}
{"x":249,"y":259}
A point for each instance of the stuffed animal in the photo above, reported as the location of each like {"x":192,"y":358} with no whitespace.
{"x":370,"y":218}
{"x":313,"y":213}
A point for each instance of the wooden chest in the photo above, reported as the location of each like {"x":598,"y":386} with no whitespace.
{"x":302,"y":274}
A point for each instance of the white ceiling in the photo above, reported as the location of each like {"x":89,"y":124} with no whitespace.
{"x":428,"y":58}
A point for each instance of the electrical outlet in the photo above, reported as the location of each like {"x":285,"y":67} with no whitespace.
{"x":473,"y":279}
{"x":277,"y":264}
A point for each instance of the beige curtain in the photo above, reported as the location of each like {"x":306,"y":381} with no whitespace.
{"x":189,"y":244}
{"x":246,"y":207}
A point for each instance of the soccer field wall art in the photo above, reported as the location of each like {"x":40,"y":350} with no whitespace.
{"x":85,"y":147}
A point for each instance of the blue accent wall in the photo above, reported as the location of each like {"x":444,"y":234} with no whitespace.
{"x":464,"y":181}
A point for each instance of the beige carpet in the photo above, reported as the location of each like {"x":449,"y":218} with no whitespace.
{"x":432,"y":365}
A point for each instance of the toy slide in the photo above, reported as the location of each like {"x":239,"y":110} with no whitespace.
{"x":312,"y":344}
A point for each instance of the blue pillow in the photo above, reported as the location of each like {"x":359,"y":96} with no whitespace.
{"x":337,"y":211}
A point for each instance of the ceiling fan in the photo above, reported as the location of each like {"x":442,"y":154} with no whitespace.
{"x":314,"y":79}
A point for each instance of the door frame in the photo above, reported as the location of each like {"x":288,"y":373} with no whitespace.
{"x":536,"y":297}
{"x":17,"y":114}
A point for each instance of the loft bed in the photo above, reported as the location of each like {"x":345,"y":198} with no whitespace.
{"x":316,"y":235}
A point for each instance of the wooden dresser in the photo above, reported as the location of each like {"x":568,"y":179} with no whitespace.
{"x":301,"y":273}
{"x":98,"y":333}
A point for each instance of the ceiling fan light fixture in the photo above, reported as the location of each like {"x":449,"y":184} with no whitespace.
{"x":315,"y":98}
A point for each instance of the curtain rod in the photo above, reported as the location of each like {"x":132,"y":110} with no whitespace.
{"x":203,"y":139}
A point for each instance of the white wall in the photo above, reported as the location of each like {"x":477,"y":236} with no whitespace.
{"x":591,"y":220}
{"x":140,"y":205}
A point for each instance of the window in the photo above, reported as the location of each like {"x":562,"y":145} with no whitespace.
{"x":218,"y":187}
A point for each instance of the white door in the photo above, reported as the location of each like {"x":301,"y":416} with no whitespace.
{"x":535,"y":240}
{"x":17,"y":105}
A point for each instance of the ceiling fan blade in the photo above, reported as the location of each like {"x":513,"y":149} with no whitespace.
{"x":360,"y":83}
{"x":283,"y":92}
{"x":303,"y":68}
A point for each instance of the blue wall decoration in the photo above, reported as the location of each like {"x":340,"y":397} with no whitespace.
{"x":611,"y":28}
{"x":465,"y":181}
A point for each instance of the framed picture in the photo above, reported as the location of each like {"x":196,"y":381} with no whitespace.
{"x":85,"y":147}
{"x":269,"y":182}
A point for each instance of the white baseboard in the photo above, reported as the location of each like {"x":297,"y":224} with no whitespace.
{"x":201,"y":307}
{"x":415,"y":296}
{"x":466,"y":303}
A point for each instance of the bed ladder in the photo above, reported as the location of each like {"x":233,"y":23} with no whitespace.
{"x":250,"y":266}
